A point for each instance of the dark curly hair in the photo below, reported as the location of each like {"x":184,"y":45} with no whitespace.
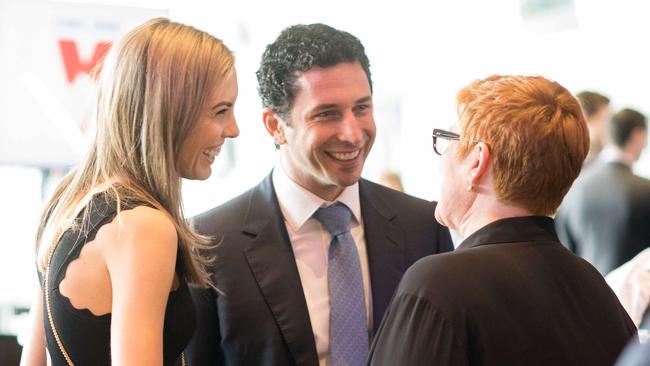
{"x":297,"y":49}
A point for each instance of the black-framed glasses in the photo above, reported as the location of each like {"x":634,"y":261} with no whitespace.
{"x":442,"y":139}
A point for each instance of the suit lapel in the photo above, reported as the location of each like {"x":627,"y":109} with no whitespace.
{"x":273,"y":265}
{"x":386,"y":257}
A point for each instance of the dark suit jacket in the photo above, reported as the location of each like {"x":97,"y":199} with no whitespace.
{"x":261,"y":317}
{"x":510,"y":294}
{"x":604,"y":217}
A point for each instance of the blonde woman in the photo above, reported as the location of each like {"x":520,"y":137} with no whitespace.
{"x":114,"y":252}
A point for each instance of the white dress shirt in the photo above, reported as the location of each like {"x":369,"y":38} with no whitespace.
{"x":310,"y":242}
{"x":612,"y":154}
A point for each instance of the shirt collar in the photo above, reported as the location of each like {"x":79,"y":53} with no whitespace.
{"x":611,"y":154}
{"x":513,"y":229}
{"x":298,"y":204}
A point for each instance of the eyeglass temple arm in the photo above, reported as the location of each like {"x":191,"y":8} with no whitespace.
{"x":446,"y":134}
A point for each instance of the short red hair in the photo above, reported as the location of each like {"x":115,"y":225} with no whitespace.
{"x":536,"y":133}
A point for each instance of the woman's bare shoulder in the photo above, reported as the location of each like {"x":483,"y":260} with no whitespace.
{"x":141,"y":232}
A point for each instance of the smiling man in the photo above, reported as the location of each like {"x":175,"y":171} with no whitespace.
{"x":308,"y":260}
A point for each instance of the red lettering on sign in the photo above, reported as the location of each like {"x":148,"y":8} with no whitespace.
{"x":74,"y":65}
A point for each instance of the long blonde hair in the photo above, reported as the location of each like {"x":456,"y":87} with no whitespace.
{"x":152,"y":88}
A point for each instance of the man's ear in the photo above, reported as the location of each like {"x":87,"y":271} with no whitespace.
{"x":479,"y":162}
{"x":274,"y":126}
{"x":638,"y":137}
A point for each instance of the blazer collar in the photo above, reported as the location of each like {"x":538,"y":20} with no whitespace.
{"x":511,"y":230}
{"x":273,"y":265}
{"x":385,"y":247}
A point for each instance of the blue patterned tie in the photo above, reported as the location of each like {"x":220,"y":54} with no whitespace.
{"x":348,"y":325}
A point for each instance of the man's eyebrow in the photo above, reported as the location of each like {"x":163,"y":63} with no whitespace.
{"x":364,"y":99}
{"x":324,"y":106}
{"x":332,"y":105}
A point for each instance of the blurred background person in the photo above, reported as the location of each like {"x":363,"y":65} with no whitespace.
{"x":636,"y":355}
{"x":510,"y":294}
{"x":597,"y":113}
{"x":604,"y":217}
{"x":114,"y":251}
{"x":392,"y":180}
{"x":631,"y":283}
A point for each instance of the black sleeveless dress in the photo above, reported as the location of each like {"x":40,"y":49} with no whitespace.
{"x":86,"y":337}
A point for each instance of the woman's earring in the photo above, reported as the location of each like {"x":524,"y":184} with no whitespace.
{"x":470,"y":188}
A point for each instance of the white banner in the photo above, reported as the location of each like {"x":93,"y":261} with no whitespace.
{"x":47,"y":97}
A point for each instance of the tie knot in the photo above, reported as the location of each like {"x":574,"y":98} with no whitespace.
{"x":335,"y":219}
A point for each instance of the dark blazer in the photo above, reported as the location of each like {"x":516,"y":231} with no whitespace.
{"x":604,"y":217}
{"x":261,"y":316}
{"x":510,"y":294}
